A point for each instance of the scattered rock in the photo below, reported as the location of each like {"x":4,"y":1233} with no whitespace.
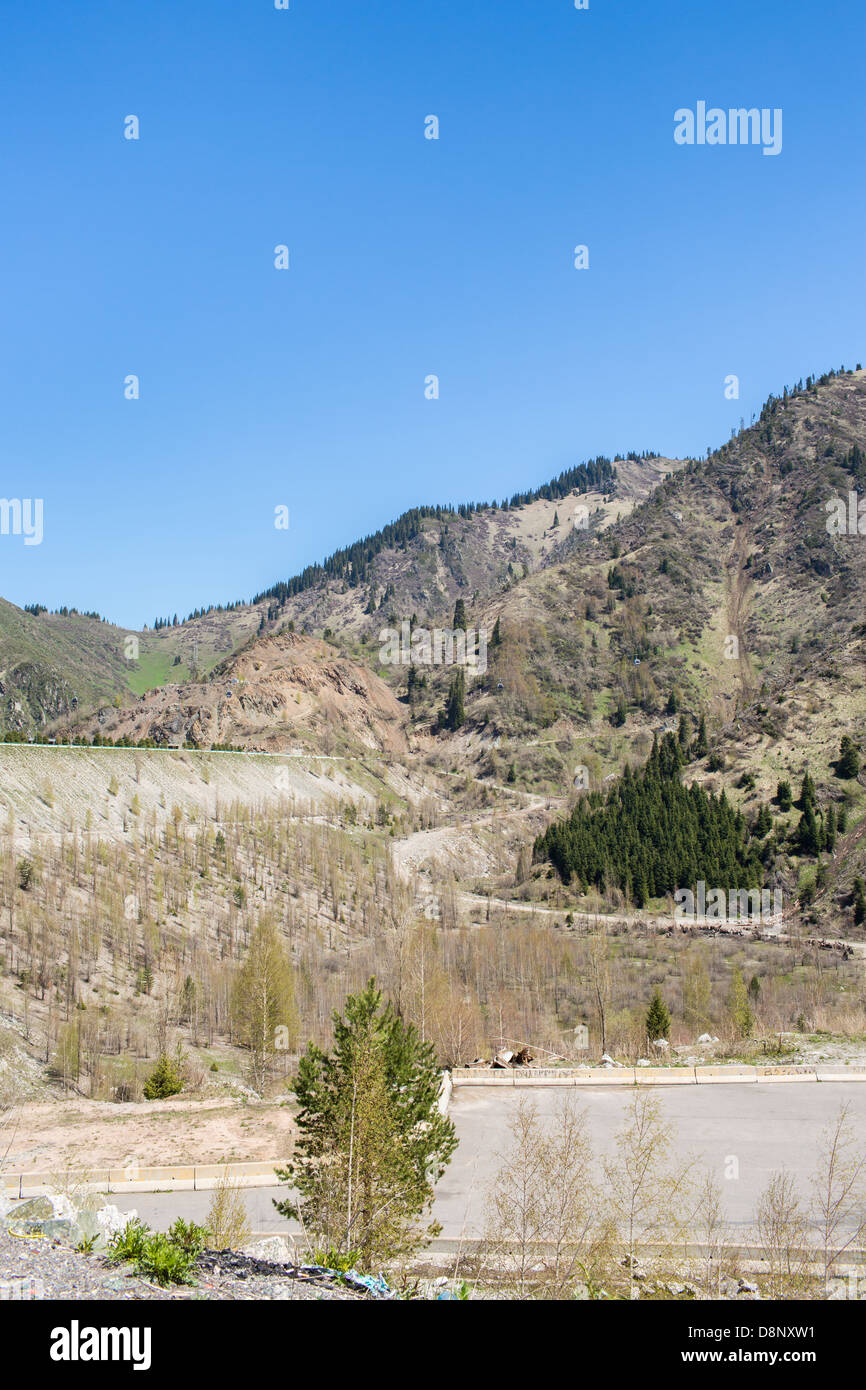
{"x":746,"y":1289}
{"x":275,"y":1249}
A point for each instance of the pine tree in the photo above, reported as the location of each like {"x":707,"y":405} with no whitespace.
{"x":496,"y":639}
{"x":165,"y":1080}
{"x":848,"y":762}
{"x":640,"y":889}
{"x":784,"y":796}
{"x":808,"y":836}
{"x":455,"y":713}
{"x":460,"y":616}
{"x":700,"y":748}
{"x":412,"y":684}
{"x":830,"y":829}
{"x":372,"y":1142}
{"x":807,"y":792}
{"x":859,"y":901}
{"x":658,"y":1019}
{"x":763,"y":822}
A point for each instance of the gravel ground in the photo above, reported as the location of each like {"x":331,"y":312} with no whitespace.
{"x":64,"y":1274}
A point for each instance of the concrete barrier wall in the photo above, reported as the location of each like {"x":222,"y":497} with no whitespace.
{"x":650,"y":1076}
{"x":159,"y":1178}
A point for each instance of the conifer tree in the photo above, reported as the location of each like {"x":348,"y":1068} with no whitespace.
{"x":372,"y":1141}
{"x":808,"y":836}
{"x":455,"y":714}
{"x":658,"y":1019}
{"x":830,"y":829}
{"x":701,"y":746}
{"x":848,"y":762}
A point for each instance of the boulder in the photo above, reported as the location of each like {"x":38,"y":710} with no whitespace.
{"x":50,"y":1204}
{"x":277,"y":1249}
{"x":112,"y":1221}
{"x":55,"y":1228}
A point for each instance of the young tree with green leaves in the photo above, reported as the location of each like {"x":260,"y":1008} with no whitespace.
{"x":263,"y":1002}
{"x":372,"y":1141}
{"x":739,"y":1008}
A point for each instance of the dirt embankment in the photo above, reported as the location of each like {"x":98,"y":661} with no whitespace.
{"x":81,"y":1135}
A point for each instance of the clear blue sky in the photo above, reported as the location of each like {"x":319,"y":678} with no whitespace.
{"x":408,"y":257}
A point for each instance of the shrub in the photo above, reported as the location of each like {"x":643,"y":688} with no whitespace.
{"x":227,"y":1218}
{"x":129,"y":1243}
{"x":165,"y":1080}
{"x":166,"y":1262}
{"x":167,"y":1259}
{"x":26,"y":875}
{"x":186,"y":1235}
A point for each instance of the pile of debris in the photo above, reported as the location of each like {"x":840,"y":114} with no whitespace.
{"x":504,"y":1058}
{"x":242,"y":1266}
{"x":512,"y":1059}
{"x":88,"y":1227}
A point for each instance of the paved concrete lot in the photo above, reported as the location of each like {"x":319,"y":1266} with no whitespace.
{"x":764,"y":1126}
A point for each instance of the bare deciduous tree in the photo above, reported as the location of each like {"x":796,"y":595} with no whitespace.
{"x":783,"y":1236}
{"x":544,"y":1228}
{"x":650,"y":1194}
{"x":839,"y":1192}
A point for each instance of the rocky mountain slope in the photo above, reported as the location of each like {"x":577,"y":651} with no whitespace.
{"x":279,"y":690}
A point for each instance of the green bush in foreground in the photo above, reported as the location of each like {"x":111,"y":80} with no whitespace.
{"x":167,"y":1259}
